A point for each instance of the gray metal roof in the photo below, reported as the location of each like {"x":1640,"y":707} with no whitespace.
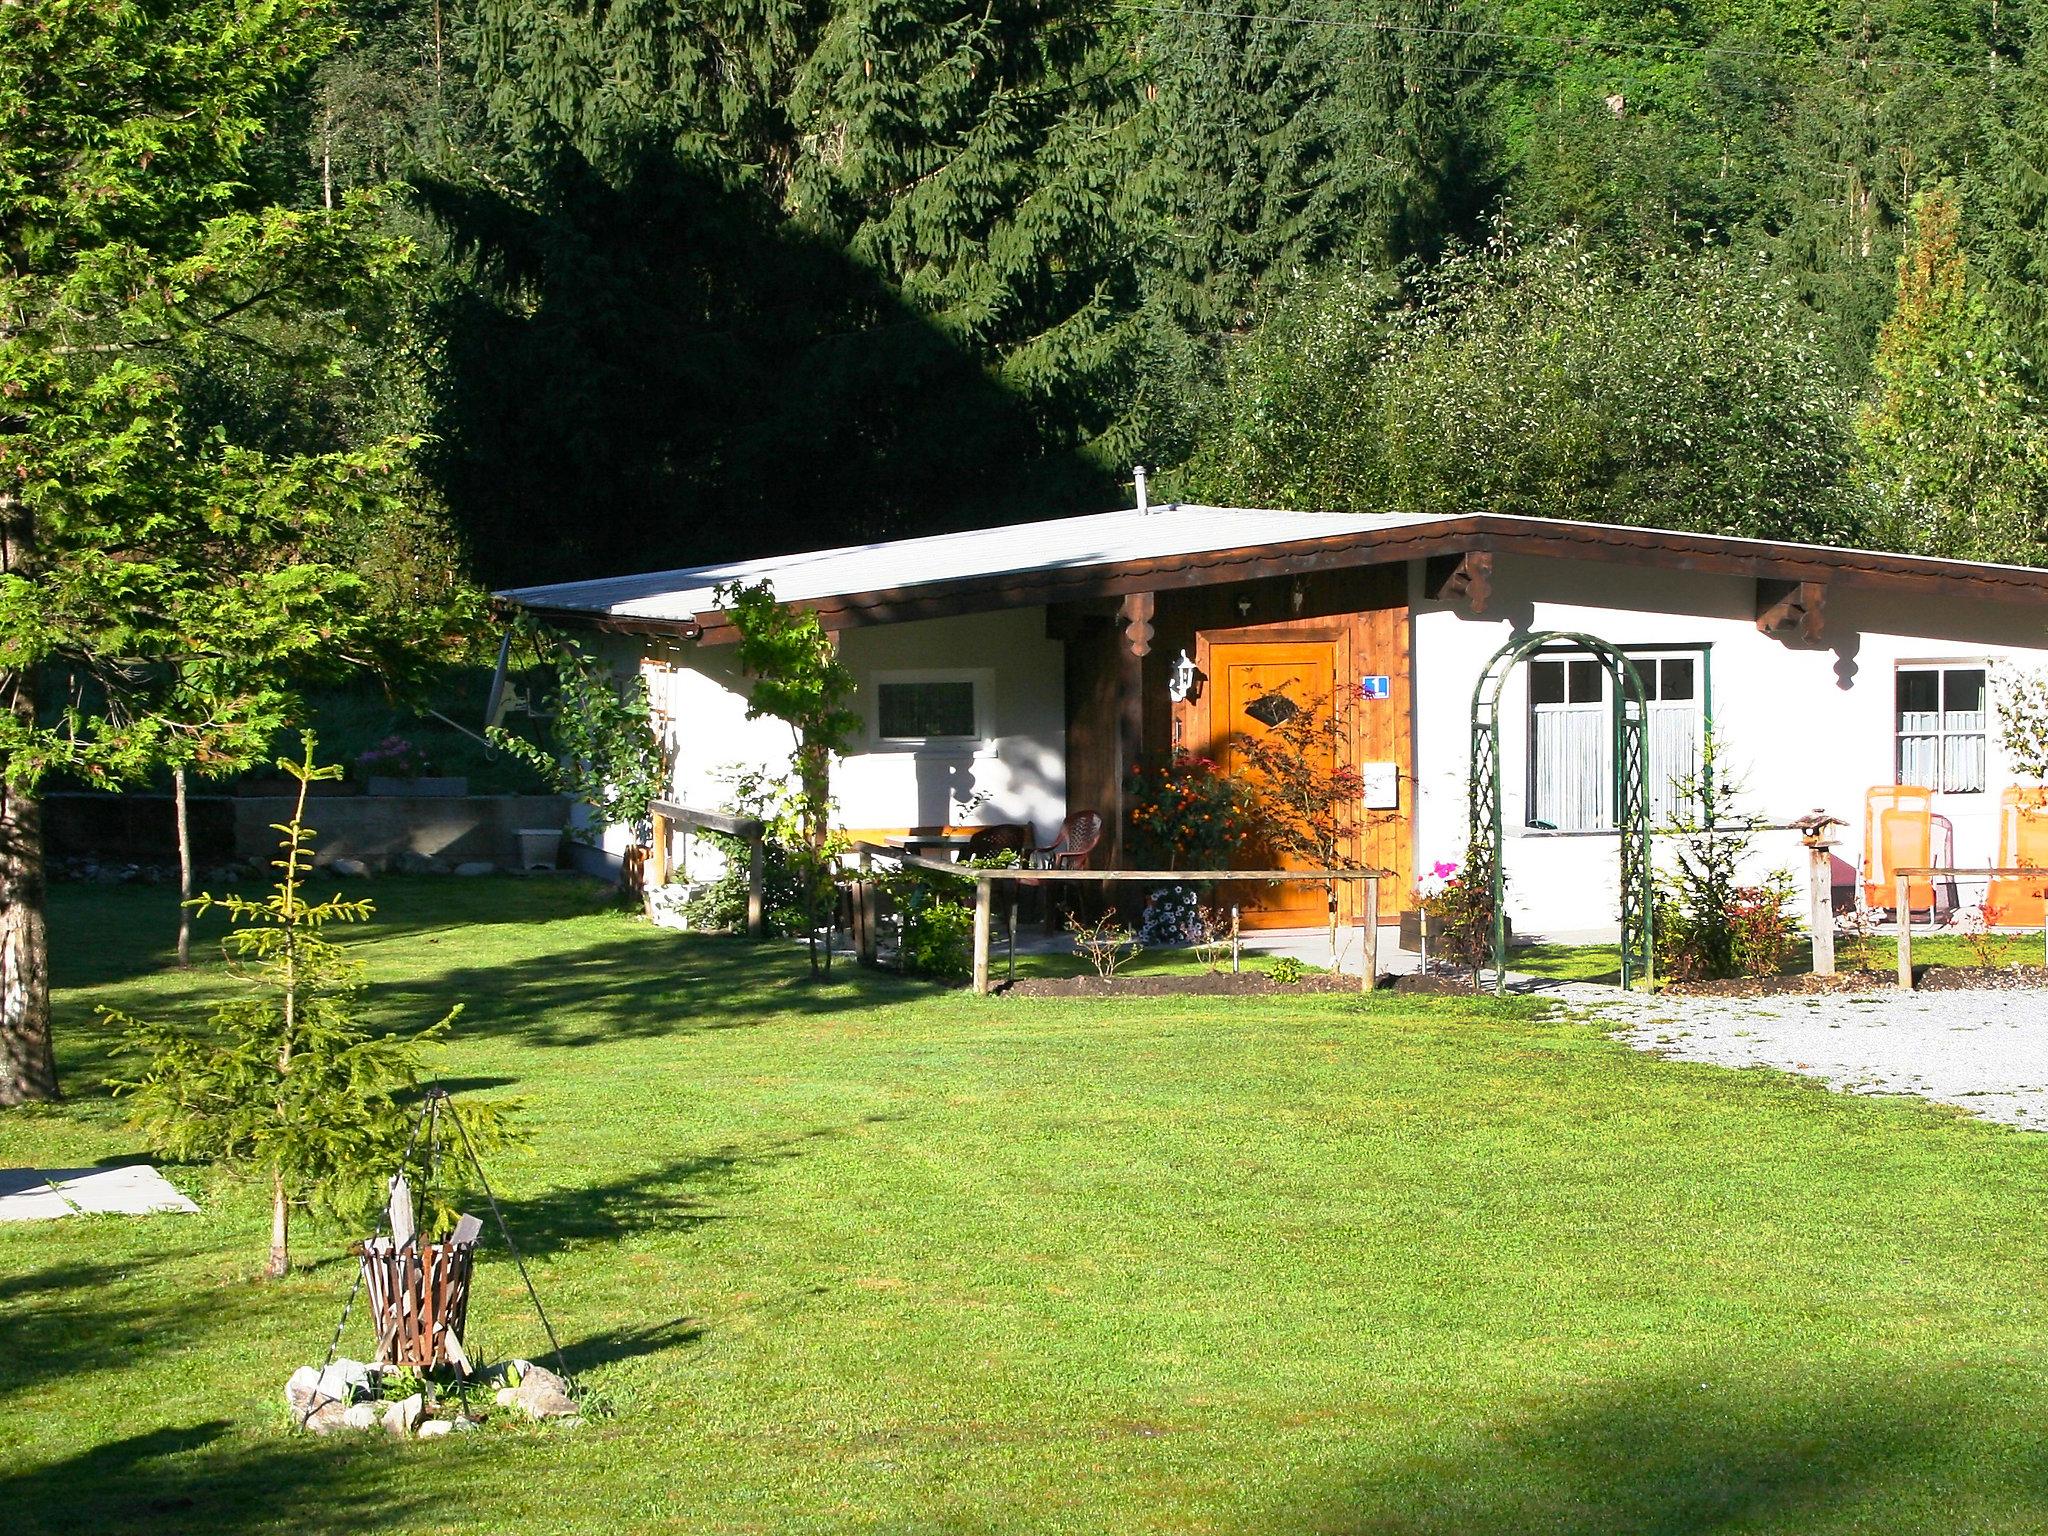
{"x":1178,"y":531}
{"x":1064,"y":543}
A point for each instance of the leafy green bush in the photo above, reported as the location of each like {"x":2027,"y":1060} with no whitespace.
{"x":1288,"y":970}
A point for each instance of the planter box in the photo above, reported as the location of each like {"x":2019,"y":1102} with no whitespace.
{"x":1411,"y":931}
{"x":667,"y":905}
{"x":447,"y":787}
{"x":540,"y":847}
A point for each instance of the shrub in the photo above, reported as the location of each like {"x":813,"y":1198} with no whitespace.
{"x":1287,"y":970}
{"x":1105,"y":943}
{"x":1709,"y":925}
{"x":1187,"y":815}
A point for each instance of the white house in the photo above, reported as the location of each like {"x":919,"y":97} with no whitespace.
{"x":1015,"y":673}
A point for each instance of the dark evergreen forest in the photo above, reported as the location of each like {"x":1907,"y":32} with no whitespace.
{"x":703,"y":278}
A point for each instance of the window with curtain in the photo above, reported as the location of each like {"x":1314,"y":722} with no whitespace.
{"x":1942,"y":718}
{"x":1571,"y":737}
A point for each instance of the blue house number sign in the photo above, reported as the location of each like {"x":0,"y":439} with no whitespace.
{"x":1374,"y":688}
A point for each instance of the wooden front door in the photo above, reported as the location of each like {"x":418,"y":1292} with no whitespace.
{"x":1249,"y":679}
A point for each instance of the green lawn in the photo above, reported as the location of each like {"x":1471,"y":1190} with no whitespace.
{"x":871,"y":1257}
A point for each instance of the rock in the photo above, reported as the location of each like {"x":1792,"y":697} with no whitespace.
{"x":541,"y":1394}
{"x":325,"y":1419}
{"x":401,"y":1417}
{"x":506,"y":1396}
{"x":299,"y":1391}
{"x":476,"y":867}
{"x":413,"y":862}
{"x":360,"y":1416}
{"x":349,"y":869}
{"x":433,"y":1429}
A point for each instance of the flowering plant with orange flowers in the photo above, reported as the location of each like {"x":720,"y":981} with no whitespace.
{"x":1187,"y":815}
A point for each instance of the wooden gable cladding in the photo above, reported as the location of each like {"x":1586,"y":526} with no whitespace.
{"x":1465,"y":581}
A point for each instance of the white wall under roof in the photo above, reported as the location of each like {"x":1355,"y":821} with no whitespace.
{"x":1803,"y":727}
{"x":1017,"y":774}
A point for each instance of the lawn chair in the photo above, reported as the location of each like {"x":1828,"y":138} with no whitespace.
{"x":1078,"y":838}
{"x":1898,"y":833}
{"x":2015,"y":901}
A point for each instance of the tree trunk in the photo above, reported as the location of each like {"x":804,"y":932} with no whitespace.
{"x":280,"y":1230}
{"x":28,"y":1064}
{"x":184,"y":869}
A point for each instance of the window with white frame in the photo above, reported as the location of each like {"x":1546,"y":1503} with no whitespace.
{"x":934,"y":707}
{"x":1941,"y":715}
{"x":1571,"y":736}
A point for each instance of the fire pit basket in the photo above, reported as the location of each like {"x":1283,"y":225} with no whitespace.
{"x":419,"y":1300}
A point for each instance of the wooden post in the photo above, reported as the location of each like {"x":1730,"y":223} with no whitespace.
{"x":1820,"y":881}
{"x":662,"y":833}
{"x":757,"y":888}
{"x":864,"y":910}
{"x":982,"y":898}
{"x":1372,"y":935}
{"x":1236,"y":938}
{"x":1905,"y":937}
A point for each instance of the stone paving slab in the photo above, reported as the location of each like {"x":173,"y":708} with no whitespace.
{"x":30,"y":1194}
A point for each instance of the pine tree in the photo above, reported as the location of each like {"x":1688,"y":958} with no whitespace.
{"x":1957,"y":452}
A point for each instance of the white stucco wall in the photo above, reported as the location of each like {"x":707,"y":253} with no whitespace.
{"x":1016,"y":773}
{"x":1803,"y":727}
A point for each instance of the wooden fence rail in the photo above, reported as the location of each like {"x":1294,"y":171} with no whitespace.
{"x":1903,"y":879}
{"x":985,"y":881}
{"x":668,"y":816}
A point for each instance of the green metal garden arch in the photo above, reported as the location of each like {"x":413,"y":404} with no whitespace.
{"x":1631,"y":793}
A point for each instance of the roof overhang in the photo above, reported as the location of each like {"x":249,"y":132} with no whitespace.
{"x":1447,"y":536}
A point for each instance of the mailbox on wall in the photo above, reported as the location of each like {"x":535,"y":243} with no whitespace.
{"x":1382,"y":785}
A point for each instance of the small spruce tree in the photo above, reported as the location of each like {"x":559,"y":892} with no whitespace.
{"x":283,"y":1081}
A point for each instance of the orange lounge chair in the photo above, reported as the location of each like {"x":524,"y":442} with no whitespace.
{"x":2014,"y":901}
{"x":1898,"y":833}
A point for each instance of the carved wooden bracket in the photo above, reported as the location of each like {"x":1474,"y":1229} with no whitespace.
{"x":1463,"y":580}
{"x":1789,"y":608}
{"x":1137,"y":616}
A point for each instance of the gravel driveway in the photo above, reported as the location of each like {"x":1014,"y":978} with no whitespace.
{"x":1985,"y":1052}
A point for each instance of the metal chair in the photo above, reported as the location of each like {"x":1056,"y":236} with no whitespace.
{"x":1078,"y":837}
{"x":999,"y":838}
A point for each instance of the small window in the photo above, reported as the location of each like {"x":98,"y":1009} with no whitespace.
{"x":1941,"y":718}
{"x":936,"y":707}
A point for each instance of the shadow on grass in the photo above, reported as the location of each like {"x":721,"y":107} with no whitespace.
{"x":206,"y":1477}
{"x":600,"y":1349}
{"x":71,"y":1320}
{"x":1682,"y":1457}
{"x":642,"y":987}
{"x":672,"y":1196}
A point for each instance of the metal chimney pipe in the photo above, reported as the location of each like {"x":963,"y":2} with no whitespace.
{"x":1138,"y":473}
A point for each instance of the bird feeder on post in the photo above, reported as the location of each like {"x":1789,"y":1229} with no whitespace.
{"x":1813,"y":829}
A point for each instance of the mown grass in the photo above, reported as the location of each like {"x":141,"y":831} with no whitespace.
{"x":1602,"y":962}
{"x":865,"y":1256}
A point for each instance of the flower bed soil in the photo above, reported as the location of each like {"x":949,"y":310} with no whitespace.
{"x":1202,"y":984}
{"x":1926,"y":978}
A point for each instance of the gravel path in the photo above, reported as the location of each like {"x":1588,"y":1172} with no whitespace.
{"x":1985,"y":1052}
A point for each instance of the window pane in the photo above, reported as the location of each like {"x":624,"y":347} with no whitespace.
{"x":1570,"y":781}
{"x":1674,"y":762}
{"x":1546,"y":682}
{"x":914,"y":710}
{"x":1920,"y":761}
{"x":1585,"y":682}
{"x":1962,"y":764}
{"x":1963,"y":698}
{"x":1676,"y":681}
{"x":1919,"y":694}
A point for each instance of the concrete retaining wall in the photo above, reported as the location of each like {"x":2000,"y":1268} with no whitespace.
{"x":377,"y":829}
